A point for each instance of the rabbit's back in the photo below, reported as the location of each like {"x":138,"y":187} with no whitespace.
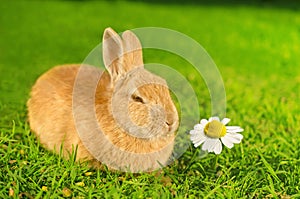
{"x":50,"y":108}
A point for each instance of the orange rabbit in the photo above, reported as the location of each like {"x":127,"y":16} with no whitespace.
{"x":129,"y":120}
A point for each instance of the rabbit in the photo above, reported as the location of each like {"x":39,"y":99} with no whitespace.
{"x":122,"y":117}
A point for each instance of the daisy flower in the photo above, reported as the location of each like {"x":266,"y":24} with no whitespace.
{"x":211,"y":132}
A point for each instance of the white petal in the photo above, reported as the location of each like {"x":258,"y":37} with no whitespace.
{"x":214,"y":118}
{"x":199,"y":141}
{"x":194,"y":132}
{"x":203,"y":122}
{"x":227,"y":141}
{"x":209,"y":144}
{"x":199,"y":127}
{"x":234,"y":137}
{"x":237,"y":130}
{"x":218,"y":147}
{"x":234,"y":129}
{"x":194,"y":137}
{"x":198,"y":138}
{"x":225,"y":121}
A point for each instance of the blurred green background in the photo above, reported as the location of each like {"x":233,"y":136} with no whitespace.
{"x":256,"y":46}
{"x":251,"y":37}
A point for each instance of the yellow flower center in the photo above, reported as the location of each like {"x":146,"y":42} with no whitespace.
{"x":215,"y":129}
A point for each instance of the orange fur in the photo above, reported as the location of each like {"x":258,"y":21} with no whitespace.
{"x":113,"y":141}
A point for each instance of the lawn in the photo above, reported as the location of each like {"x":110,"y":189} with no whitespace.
{"x":256,"y":47}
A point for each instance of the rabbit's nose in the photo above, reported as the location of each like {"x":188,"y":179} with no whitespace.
{"x":171,"y":126}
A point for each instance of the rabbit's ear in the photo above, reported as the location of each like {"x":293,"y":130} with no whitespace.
{"x":113,"y":53}
{"x":133,"y":55}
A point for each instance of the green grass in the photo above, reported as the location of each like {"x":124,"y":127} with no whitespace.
{"x":256,"y":48}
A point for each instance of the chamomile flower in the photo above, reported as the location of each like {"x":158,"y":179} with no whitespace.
{"x":211,"y":132}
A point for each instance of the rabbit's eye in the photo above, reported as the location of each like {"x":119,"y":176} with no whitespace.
{"x":137,"y":98}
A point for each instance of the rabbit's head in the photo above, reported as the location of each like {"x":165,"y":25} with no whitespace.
{"x":141,"y":103}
